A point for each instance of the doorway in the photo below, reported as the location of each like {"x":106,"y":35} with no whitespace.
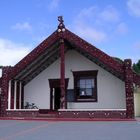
{"x":55,"y":93}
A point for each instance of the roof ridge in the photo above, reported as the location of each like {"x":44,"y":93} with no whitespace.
{"x":107,"y":59}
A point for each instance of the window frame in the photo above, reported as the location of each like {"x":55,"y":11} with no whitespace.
{"x":90,"y":74}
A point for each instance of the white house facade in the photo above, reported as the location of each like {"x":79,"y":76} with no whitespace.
{"x":69,"y":78}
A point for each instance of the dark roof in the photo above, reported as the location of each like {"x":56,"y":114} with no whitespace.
{"x":48,"y":51}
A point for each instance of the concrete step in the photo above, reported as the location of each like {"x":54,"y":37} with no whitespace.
{"x":48,"y":115}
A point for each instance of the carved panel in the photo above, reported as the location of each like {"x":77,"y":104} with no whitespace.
{"x":95,"y":52}
{"x":129,"y":88}
{"x":4,"y":87}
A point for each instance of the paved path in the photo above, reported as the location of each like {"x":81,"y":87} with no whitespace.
{"x":47,"y":130}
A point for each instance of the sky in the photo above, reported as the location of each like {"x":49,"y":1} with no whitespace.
{"x":110,"y":25}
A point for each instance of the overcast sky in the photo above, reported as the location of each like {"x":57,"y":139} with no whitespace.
{"x":110,"y":25}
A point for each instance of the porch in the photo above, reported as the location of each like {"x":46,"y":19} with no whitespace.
{"x":67,"y":113}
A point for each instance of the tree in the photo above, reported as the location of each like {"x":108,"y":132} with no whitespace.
{"x":136,"y":67}
{"x":118,"y":59}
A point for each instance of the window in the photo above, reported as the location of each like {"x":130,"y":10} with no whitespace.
{"x":85,"y":85}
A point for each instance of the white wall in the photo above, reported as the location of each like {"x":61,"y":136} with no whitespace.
{"x":137,"y":104}
{"x":0,"y":73}
{"x":38,"y":91}
{"x":111,"y":90}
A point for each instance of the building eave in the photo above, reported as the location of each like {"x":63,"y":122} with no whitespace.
{"x":100,"y":58}
{"x":31,"y":64}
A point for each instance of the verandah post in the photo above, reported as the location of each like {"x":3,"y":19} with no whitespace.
{"x":62,"y":73}
{"x":61,"y":30}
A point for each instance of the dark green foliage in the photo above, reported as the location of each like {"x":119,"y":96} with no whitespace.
{"x":118,"y":59}
{"x":136,"y":67}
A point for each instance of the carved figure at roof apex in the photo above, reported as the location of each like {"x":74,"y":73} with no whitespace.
{"x":61,"y":26}
{"x":60,"y":19}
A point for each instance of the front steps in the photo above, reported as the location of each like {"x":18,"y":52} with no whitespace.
{"x":44,"y":113}
{"x":47,"y":115}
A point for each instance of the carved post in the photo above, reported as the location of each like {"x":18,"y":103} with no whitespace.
{"x":61,"y":30}
{"x":62,"y":73}
{"x":129,"y":88}
{"x":4,"y":94}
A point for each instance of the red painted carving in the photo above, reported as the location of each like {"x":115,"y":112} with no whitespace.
{"x":61,"y":30}
{"x":93,"y":51}
{"x":62,"y":75}
{"x":28,"y":114}
{"x":72,"y":114}
{"x":34,"y":54}
{"x":92,"y":114}
{"x":129,"y":88}
{"x":0,"y":81}
{"x":4,"y":87}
